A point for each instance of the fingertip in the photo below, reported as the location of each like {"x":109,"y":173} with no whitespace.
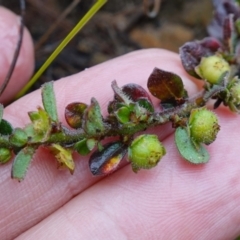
{"x":9,"y":36}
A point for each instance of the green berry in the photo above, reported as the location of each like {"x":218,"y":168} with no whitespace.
{"x":212,"y":68}
{"x":203,"y":126}
{"x":145,"y":152}
{"x":18,"y":138}
{"x":235,"y":93}
{"x":5,"y":155}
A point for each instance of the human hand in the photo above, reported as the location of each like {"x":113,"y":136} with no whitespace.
{"x":175,"y":200}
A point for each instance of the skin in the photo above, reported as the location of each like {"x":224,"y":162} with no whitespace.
{"x":175,"y":200}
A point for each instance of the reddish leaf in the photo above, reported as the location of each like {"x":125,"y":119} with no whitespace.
{"x":107,"y":160}
{"x":192,"y":52}
{"x":166,"y":86}
{"x":74,"y":113}
{"x":222,"y":8}
{"x":135,"y":92}
{"x":229,"y":34}
{"x":119,"y":95}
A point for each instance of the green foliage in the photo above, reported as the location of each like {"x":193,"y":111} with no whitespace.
{"x":189,"y":150}
{"x":93,"y":121}
{"x":85,"y":146}
{"x":18,"y":138}
{"x":5,"y":155}
{"x":21,"y":162}
{"x":40,"y":128}
{"x":123,"y":114}
{"x":49,"y":101}
{"x":131,"y":111}
{"x":5,"y":127}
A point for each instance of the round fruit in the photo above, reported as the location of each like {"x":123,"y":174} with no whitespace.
{"x":203,"y":126}
{"x":145,"y":152}
{"x":212,"y":68}
{"x":235,"y":93}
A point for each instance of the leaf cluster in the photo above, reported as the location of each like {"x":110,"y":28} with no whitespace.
{"x":214,"y":60}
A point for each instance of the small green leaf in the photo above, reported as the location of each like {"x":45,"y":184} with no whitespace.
{"x":145,"y":103}
{"x":22,"y":162}
{"x":165,"y":86}
{"x":5,"y":155}
{"x":114,"y":106}
{"x":5,"y":127}
{"x":123,"y":114}
{"x":18,"y":138}
{"x":93,"y":121}
{"x":91,"y":143}
{"x":82,"y":147}
{"x":189,"y":150}
{"x":49,"y":101}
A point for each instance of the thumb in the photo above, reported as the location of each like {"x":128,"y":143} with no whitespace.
{"x":9,"y":36}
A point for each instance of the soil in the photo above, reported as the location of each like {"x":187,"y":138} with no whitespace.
{"x":120,"y":27}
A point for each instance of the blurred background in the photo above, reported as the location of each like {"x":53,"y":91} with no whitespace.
{"x":120,"y":27}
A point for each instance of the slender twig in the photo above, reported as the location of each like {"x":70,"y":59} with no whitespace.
{"x":93,"y":10}
{"x":17,"y":50}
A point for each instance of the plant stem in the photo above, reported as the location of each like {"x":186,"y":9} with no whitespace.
{"x":68,"y":137}
{"x":93,"y":10}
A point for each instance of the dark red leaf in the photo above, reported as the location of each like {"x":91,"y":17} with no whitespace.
{"x":222,"y":8}
{"x":135,"y":92}
{"x":166,"y":86}
{"x":192,"y":52}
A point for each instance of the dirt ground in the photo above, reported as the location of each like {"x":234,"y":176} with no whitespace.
{"x":120,"y":27}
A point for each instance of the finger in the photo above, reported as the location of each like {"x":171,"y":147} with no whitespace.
{"x":9,"y":35}
{"x":176,"y":200}
{"x":45,"y":189}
